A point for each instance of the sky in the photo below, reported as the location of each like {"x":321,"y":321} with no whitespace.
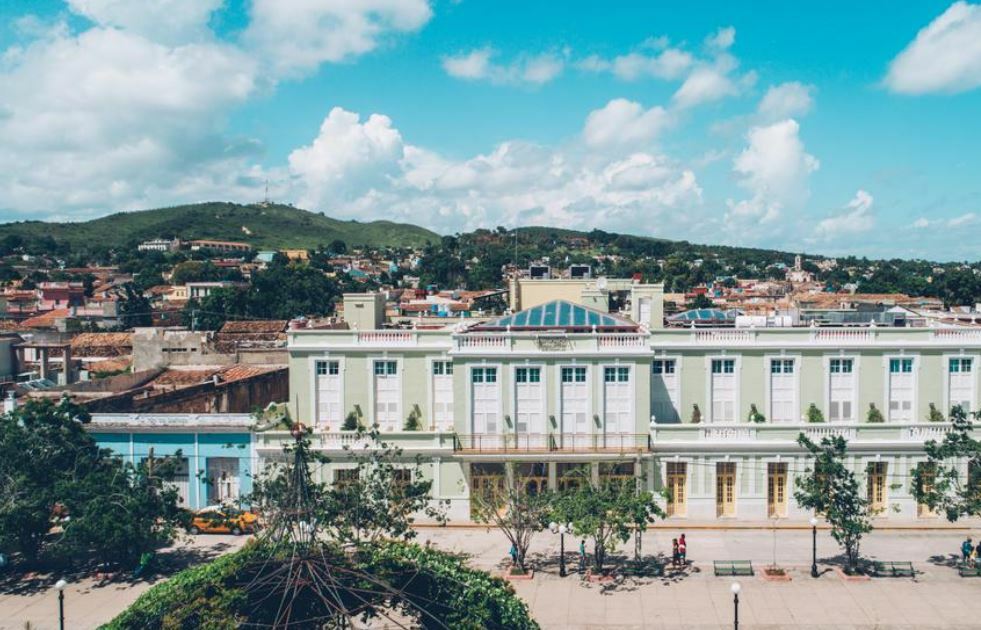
{"x":826,"y":127}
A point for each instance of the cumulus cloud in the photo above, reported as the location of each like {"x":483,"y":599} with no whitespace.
{"x":478,"y":65}
{"x":854,"y":218}
{"x":516,"y":182}
{"x":621,"y":123}
{"x":296,"y":36}
{"x":105,"y":118}
{"x":722,"y":39}
{"x":787,"y":100}
{"x":945,"y":56}
{"x":775,"y":168}
{"x":169,"y":21}
{"x":670,"y":63}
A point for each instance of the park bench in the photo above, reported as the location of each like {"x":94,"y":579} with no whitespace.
{"x":892,"y":569}
{"x":966,"y":570}
{"x":733,"y":567}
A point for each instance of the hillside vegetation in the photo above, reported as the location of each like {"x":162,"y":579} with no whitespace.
{"x":262,"y":226}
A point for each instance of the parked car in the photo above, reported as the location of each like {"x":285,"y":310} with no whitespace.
{"x":223,"y":519}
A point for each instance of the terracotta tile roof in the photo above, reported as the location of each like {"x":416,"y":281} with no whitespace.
{"x":102,"y":344}
{"x":257,"y":326}
{"x":185,"y":378}
{"x":110,"y":365}
{"x":45,"y":320}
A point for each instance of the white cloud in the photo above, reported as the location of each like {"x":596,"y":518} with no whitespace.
{"x":477,"y":65}
{"x":704,"y":85}
{"x":944,"y":57}
{"x":108,"y":118}
{"x":722,"y":39}
{"x":353,"y":168}
{"x":668,"y":64}
{"x":472,"y":65}
{"x":621,"y":123}
{"x":347,"y":158}
{"x":774,"y":168}
{"x":787,"y":100}
{"x":168,"y":21}
{"x":854,"y":218}
{"x":968,"y":218}
{"x":296,"y":36}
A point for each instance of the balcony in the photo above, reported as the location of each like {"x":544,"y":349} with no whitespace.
{"x":561,"y":443}
{"x":836,"y":337}
{"x":557,"y":342}
{"x":269,"y":442}
{"x":666,"y":437}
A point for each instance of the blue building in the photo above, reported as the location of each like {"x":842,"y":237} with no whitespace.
{"x":215,"y":453}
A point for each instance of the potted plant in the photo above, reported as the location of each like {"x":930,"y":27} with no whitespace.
{"x":755,"y":415}
{"x":412,"y":421}
{"x":874,"y":415}
{"x":696,"y":414}
{"x":814,"y":414}
{"x":935,"y":415}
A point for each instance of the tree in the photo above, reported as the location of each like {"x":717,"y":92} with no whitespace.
{"x":134,"y":308}
{"x":607,"y":515}
{"x":701,"y":301}
{"x":516,"y":511}
{"x":939,"y":483}
{"x":832,"y":491}
{"x":51,"y":467}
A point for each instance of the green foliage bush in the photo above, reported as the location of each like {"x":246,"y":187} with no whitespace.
{"x":874,"y":415}
{"x":453,"y":595}
{"x":814,"y":414}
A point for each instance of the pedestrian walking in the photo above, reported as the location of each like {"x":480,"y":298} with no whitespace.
{"x":582,"y":555}
{"x":683,"y":551}
{"x":514,"y":554}
{"x":675,"y":553}
{"x":966,"y":548}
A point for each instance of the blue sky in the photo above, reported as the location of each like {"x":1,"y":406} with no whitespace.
{"x":828,"y":127}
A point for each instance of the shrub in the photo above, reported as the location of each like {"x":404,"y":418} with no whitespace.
{"x":935,"y":415}
{"x":874,"y":415}
{"x":755,"y":415}
{"x":351,"y":422}
{"x":814,"y":414}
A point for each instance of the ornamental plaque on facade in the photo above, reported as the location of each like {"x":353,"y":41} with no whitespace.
{"x":552,"y":344}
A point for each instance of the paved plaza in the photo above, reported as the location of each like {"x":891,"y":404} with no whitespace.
{"x":936,"y":598}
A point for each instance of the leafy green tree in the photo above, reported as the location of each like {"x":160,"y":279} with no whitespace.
{"x":134,"y":307}
{"x":516,"y":511}
{"x":832,"y":491}
{"x":939,"y":483}
{"x":607,"y":515}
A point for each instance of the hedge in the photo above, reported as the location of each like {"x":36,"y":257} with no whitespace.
{"x":213,"y":597}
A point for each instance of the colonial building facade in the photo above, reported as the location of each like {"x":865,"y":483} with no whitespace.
{"x":563,"y":390}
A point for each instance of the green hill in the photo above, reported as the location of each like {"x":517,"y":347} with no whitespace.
{"x":262,"y":226}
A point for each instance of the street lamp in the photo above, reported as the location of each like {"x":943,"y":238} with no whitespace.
{"x":60,"y":587}
{"x":561,"y":530}
{"x":814,"y":547}
{"x":735,"y":588}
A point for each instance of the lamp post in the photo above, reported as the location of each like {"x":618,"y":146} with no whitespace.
{"x":814,"y":547}
{"x":561,"y":530}
{"x":60,"y":587}
{"x":735,"y":588}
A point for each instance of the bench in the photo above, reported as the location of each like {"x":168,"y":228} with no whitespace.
{"x":644,"y":568}
{"x":733,"y":567}
{"x":966,"y":570}
{"x":893,"y":569}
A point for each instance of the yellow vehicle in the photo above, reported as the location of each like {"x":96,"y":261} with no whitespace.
{"x":223,"y":519}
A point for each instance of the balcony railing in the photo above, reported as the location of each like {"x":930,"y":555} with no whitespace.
{"x":552,"y":443}
{"x":863,"y":432}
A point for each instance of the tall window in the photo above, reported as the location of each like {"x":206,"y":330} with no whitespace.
{"x":841,"y":390}
{"x":485,"y":399}
{"x":574,"y":398}
{"x":529,"y":400}
{"x":617,"y":401}
{"x":783,"y":390}
{"x":776,"y":489}
{"x":960,"y":383}
{"x":725,"y":489}
{"x":901,"y":389}
{"x":723,"y":390}
{"x":443,"y":395}
{"x":328,"y":393}
{"x":388,"y":395}
{"x":665,"y":390}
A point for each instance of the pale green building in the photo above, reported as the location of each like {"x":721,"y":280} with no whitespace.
{"x":564,"y":388}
